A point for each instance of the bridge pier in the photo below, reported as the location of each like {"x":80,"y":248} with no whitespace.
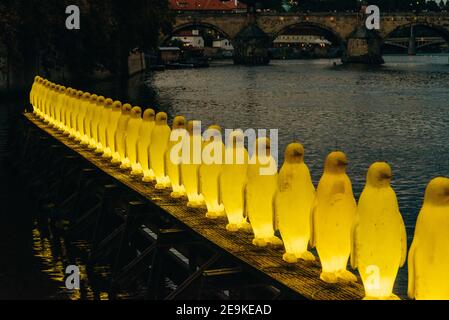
{"x":251,"y":46}
{"x":364,"y":46}
{"x":412,"y":43}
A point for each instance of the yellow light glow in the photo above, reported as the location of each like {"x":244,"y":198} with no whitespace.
{"x":143,"y":147}
{"x":232,"y":182}
{"x":111,"y":128}
{"x":379,"y":237}
{"x":210,"y":170}
{"x":95,"y":123}
{"x":190,"y":167}
{"x":131,"y":137}
{"x":260,"y":192}
{"x":159,"y":142}
{"x":333,"y":217}
{"x":103,"y":122}
{"x":173,"y":156}
{"x":428,"y":261}
{"x":119,"y":155}
{"x":294,"y":201}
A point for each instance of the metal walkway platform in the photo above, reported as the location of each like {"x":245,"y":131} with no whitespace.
{"x":302,"y":279}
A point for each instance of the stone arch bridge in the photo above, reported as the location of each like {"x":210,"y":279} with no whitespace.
{"x":360,"y":45}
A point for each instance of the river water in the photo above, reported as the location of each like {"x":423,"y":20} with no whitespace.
{"x":397,"y":113}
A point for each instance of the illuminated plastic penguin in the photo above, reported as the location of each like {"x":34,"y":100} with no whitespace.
{"x":158,"y":147}
{"x":210,"y":170}
{"x":82,"y":109}
{"x":428,"y":261}
{"x":260,"y":192}
{"x":120,"y":134}
{"x":294,"y":202}
{"x":173,"y":156}
{"x":131,"y":137}
{"x":95,"y":123}
{"x":33,"y":91}
{"x":379,"y":238}
{"x":111,"y":128}
{"x":333,"y":218}
{"x":191,"y":161}
{"x":233,"y":180}
{"x":90,"y":109}
{"x":76,"y":106}
{"x":143,"y":147}
{"x":103,"y":122}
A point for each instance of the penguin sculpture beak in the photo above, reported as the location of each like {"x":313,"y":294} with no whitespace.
{"x":386,"y":176}
{"x":297,"y":154}
{"x":343,"y":163}
{"x":446,"y":192}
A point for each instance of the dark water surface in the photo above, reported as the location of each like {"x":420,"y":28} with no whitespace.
{"x":398,"y":113}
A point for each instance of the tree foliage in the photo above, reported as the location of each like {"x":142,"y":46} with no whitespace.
{"x":33,"y":30}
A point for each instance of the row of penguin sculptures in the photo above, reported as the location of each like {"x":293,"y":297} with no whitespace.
{"x":369,"y":234}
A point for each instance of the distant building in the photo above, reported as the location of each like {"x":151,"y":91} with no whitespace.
{"x":223,"y":44}
{"x":207,"y":5}
{"x":190,"y":39}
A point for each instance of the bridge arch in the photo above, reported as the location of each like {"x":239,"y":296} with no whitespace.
{"x":329,"y":31}
{"x":439,"y":29}
{"x":193,"y":25}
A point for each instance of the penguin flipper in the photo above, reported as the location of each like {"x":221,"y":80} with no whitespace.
{"x":354,"y":263}
{"x":403,"y":243}
{"x":275,"y":212}
{"x":411,"y":271}
{"x":313,"y":231}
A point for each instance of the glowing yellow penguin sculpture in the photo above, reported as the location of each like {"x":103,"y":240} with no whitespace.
{"x":90,"y":109}
{"x":103,"y":122}
{"x":173,"y":156}
{"x":233,"y":180}
{"x":64,"y":107}
{"x":120,"y":134}
{"x":333,"y":218}
{"x":95,"y":122}
{"x":210,"y":170}
{"x":190,"y":166}
{"x":428,"y":261}
{"x":260,"y":192}
{"x":131,"y":137}
{"x":82,"y":109}
{"x":71,"y":99}
{"x":34,"y":91}
{"x":379,"y":237}
{"x":294,"y":202}
{"x":159,"y":142}
{"x":143,"y":147}
{"x":111,"y":128}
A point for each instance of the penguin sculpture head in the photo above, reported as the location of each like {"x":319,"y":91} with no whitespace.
{"x":100,"y":101}
{"x":161,"y":118}
{"x":215,"y":130}
{"x":117,"y":106}
{"x":379,"y":175}
{"x":86,"y":96}
{"x":336,"y":163}
{"x":294,"y":153}
{"x":179,"y":123}
{"x":108,"y":103}
{"x":136,"y":112}
{"x":93,"y":98}
{"x":62,"y":89}
{"x":437,"y":192}
{"x":126,"y":109}
{"x":191,"y":125}
{"x":263,"y":146}
{"x":149,"y":115}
